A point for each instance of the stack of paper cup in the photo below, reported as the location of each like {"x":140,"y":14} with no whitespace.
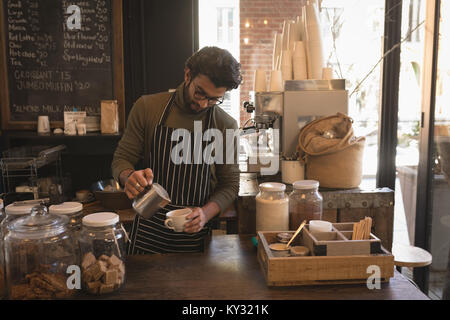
{"x":294,"y":34}
{"x":285,"y":35}
{"x":301,"y":24}
{"x":276,"y":81}
{"x":299,"y":61}
{"x":286,"y":64}
{"x":314,"y":51}
{"x":277,"y":44}
{"x":327,"y":73}
{"x":260,"y":83}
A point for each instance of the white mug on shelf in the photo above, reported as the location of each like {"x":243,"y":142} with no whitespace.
{"x":43,"y":125}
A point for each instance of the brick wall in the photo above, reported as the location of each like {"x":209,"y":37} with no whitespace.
{"x":257,"y":54}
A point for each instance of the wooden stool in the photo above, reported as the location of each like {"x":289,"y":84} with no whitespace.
{"x":410,"y":256}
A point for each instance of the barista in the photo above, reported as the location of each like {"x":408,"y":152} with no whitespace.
{"x":207,"y":188}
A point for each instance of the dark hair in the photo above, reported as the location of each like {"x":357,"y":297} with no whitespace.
{"x":218,"y":65}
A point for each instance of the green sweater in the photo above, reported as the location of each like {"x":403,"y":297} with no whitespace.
{"x":136,"y":142}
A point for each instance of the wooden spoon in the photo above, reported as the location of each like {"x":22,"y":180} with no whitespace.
{"x":296,"y":233}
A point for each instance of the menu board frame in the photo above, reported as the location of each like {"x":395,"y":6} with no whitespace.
{"x":117,"y":73}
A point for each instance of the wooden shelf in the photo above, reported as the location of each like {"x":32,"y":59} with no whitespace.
{"x":89,"y":144}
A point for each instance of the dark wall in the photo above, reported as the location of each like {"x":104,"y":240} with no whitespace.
{"x":158,"y":38}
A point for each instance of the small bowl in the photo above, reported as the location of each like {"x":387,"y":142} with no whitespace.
{"x":284,"y":237}
{"x":279,"y":249}
{"x":299,"y":251}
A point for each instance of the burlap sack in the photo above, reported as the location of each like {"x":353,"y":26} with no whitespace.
{"x":333,"y":155}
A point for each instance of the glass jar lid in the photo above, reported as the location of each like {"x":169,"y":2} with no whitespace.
{"x":39,"y":224}
{"x":100,"y":219}
{"x":305,"y":184}
{"x":272,"y":186}
{"x":66,"y":208}
{"x":19,"y":209}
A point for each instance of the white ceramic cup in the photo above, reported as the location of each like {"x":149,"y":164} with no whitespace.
{"x":320,"y":226}
{"x":83,"y":195}
{"x":43,"y":124}
{"x":176,"y":219}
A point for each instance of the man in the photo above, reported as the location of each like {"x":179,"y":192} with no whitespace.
{"x":206,"y":188}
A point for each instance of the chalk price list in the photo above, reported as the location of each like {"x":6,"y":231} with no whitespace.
{"x":47,"y":59}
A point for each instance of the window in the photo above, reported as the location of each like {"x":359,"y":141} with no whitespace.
{"x":217,"y":27}
{"x":353,"y":36}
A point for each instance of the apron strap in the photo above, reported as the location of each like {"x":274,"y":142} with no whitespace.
{"x":163,"y":117}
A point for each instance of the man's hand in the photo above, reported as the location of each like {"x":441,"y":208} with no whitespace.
{"x":137,"y":181}
{"x":198,"y":221}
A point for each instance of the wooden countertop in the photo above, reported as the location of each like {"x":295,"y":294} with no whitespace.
{"x":229,"y":270}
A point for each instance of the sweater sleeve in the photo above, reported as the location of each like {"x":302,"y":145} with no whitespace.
{"x":227,"y":187}
{"x":130,"y":148}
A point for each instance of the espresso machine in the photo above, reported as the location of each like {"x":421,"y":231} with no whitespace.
{"x":278,"y":118}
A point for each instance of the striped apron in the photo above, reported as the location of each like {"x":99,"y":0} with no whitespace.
{"x":187,"y":185}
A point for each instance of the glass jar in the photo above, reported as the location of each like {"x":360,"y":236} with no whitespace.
{"x":39,"y":249}
{"x":272,"y":207}
{"x":102,"y":245}
{"x":305,"y":203}
{"x":14,"y":211}
{"x":73,"y":210}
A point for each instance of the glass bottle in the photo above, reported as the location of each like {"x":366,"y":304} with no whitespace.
{"x":272,"y":207}
{"x":305,"y":203}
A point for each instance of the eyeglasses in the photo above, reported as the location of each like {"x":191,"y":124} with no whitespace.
{"x":199,"y":95}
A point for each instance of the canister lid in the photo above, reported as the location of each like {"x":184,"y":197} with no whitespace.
{"x":272,"y":186}
{"x":39,"y":224}
{"x":101,"y":219}
{"x":305,"y":184}
{"x":21,"y":209}
{"x":66,"y":208}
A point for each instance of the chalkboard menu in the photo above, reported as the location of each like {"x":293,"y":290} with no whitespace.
{"x":57,"y":56}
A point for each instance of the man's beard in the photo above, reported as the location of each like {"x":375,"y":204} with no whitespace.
{"x":195,"y":107}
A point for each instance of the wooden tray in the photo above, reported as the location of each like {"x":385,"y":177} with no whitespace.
{"x":338,"y":242}
{"x":319,"y":270}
